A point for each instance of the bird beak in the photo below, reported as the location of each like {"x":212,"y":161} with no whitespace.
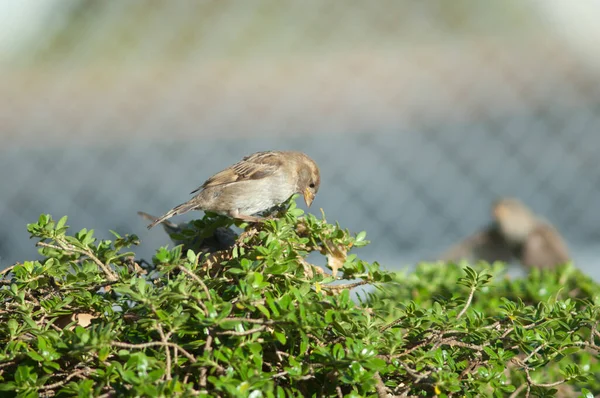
{"x":308,"y":197}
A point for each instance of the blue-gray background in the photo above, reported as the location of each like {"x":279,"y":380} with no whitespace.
{"x":420,"y":113}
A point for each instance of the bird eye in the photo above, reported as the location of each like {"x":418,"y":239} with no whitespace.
{"x":312,"y":185}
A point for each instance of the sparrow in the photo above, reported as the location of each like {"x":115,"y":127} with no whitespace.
{"x":515,"y":234}
{"x":257,"y":183}
{"x":222,"y":239}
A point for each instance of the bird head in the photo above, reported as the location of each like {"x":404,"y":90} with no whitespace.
{"x":309,"y":178}
{"x":515,"y":220}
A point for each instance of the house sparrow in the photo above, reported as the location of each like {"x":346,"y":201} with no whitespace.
{"x":257,"y":183}
{"x":516,"y":234}
{"x":222,"y":239}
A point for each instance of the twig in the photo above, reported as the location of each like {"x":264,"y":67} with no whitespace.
{"x":530,"y":326}
{"x":203,"y":370}
{"x":254,"y":321}
{"x":81,"y":372}
{"x":337,"y":288}
{"x":315,"y":338}
{"x":110,"y":275}
{"x":244,"y":333}
{"x":8,"y":269}
{"x":339,"y":392}
{"x":414,"y":374}
{"x":456,"y":343}
{"x":280,"y":374}
{"x":468,"y":303}
{"x":414,"y":348}
{"x":532,"y":353}
{"x":155,"y":344}
{"x":164,"y":339}
{"x":391,"y":325}
{"x":587,"y":345}
{"x":196,"y":278}
{"x":516,"y":393}
{"x":7,"y":364}
{"x":532,"y":383}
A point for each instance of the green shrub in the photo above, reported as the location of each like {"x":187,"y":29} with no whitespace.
{"x":259,"y":319}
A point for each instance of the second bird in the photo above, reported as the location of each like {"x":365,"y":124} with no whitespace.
{"x":257,"y":183}
{"x":516,"y":234}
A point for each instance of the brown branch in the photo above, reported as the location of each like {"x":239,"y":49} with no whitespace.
{"x":379,"y":386}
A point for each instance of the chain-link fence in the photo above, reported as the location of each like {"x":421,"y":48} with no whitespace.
{"x":419,"y":113}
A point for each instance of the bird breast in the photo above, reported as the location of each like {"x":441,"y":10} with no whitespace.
{"x":254,"y":196}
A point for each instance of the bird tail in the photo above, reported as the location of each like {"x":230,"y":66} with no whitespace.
{"x":182,"y":208}
{"x":169,"y":226}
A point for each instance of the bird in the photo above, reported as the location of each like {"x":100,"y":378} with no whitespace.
{"x":258,"y":182}
{"x":515,"y":234}
{"x":223,"y":238}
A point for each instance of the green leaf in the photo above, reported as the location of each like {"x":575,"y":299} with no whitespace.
{"x":191,"y":256}
{"x":361,"y":236}
{"x":280,"y":337}
{"x":264,"y":310}
{"x":61,"y":223}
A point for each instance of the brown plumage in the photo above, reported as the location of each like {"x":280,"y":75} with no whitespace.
{"x":544,"y":248}
{"x":257,"y":183}
{"x":516,"y":234}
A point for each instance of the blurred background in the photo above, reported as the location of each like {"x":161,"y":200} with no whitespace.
{"x":419,"y":113}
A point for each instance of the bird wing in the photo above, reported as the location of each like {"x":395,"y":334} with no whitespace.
{"x":485,"y":245}
{"x":545,"y":248}
{"x":252,"y":167}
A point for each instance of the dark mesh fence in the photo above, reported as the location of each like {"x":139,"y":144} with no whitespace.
{"x":419,"y":114}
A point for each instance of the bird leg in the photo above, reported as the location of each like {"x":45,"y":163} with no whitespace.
{"x":236,"y":214}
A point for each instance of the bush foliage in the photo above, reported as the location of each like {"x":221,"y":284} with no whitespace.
{"x":288,"y":310}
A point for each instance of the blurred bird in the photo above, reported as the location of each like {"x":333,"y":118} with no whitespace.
{"x":222,"y":239}
{"x":257,"y":183}
{"x":516,"y":234}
